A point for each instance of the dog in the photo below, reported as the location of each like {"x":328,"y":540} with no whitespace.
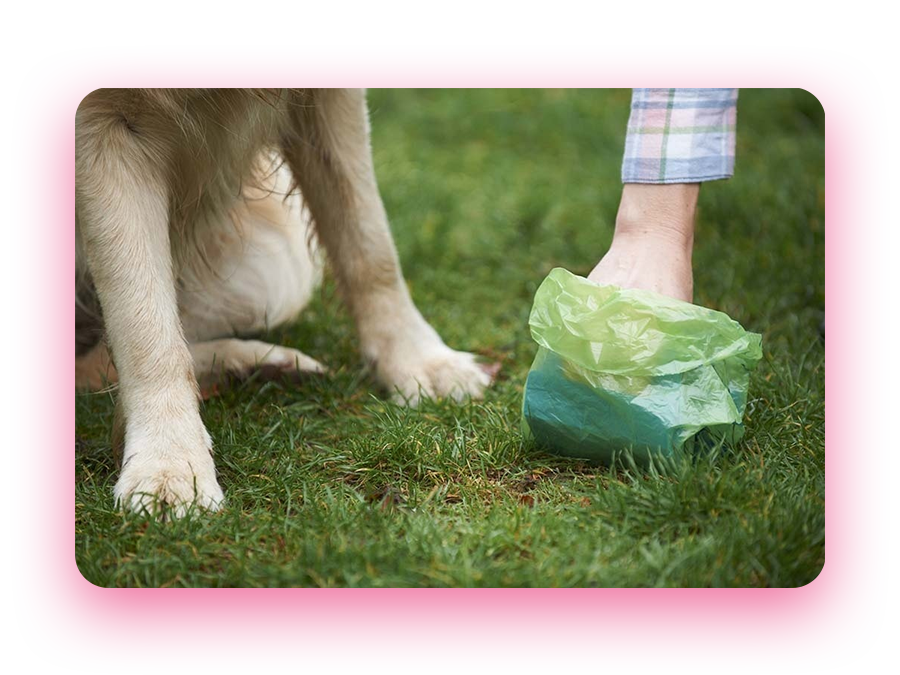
{"x":199,"y":220}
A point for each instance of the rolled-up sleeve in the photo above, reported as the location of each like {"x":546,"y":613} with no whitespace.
{"x":680,"y":136}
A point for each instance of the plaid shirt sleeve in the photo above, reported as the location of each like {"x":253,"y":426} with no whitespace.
{"x":680,"y":135}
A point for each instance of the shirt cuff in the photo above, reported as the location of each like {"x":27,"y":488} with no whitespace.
{"x":680,"y":136}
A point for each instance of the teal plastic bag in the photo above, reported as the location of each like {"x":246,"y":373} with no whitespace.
{"x":621,"y":369}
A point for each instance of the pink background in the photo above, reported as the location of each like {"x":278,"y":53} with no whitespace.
{"x":60,"y":622}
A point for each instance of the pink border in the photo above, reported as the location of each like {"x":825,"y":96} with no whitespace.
{"x":838,"y":623}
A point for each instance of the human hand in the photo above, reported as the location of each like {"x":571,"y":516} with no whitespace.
{"x":653,"y":241}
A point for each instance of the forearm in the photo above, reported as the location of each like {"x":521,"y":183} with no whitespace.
{"x":677,"y":139}
{"x":660,"y":211}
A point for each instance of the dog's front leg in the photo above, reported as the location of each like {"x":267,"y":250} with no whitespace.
{"x":328,"y":149}
{"x":122,"y":211}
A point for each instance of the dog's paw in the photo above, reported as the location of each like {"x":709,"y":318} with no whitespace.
{"x":275,"y":360}
{"x":438,"y":374}
{"x":218,"y":361}
{"x":168,"y":480}
{"x":255,"y":354}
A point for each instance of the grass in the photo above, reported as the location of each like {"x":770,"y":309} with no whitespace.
{"x":328,"y":484}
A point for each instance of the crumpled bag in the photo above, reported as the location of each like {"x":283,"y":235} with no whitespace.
{"x":623,"y":369}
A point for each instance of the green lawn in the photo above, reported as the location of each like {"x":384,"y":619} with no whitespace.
{"x":328,"y":484}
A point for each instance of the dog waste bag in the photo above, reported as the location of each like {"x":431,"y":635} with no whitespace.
{"x":621,"y":369}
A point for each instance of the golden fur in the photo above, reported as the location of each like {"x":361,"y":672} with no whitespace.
{"x":192,"y":231}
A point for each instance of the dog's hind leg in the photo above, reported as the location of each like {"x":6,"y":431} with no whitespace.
{"x":123,"y":219}
{"x":258,"y":269}
{"x":253,"y":270}
{"x":94,"y":370}
{"x":328,"y":150}
{"x":218,"y":361}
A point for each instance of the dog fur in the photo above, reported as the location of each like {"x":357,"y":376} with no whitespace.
{"x":198,"y":219}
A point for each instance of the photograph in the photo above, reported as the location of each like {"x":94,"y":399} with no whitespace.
{"x":455,"y":338}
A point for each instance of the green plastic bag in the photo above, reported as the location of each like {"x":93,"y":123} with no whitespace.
{"x":621,"y":369}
